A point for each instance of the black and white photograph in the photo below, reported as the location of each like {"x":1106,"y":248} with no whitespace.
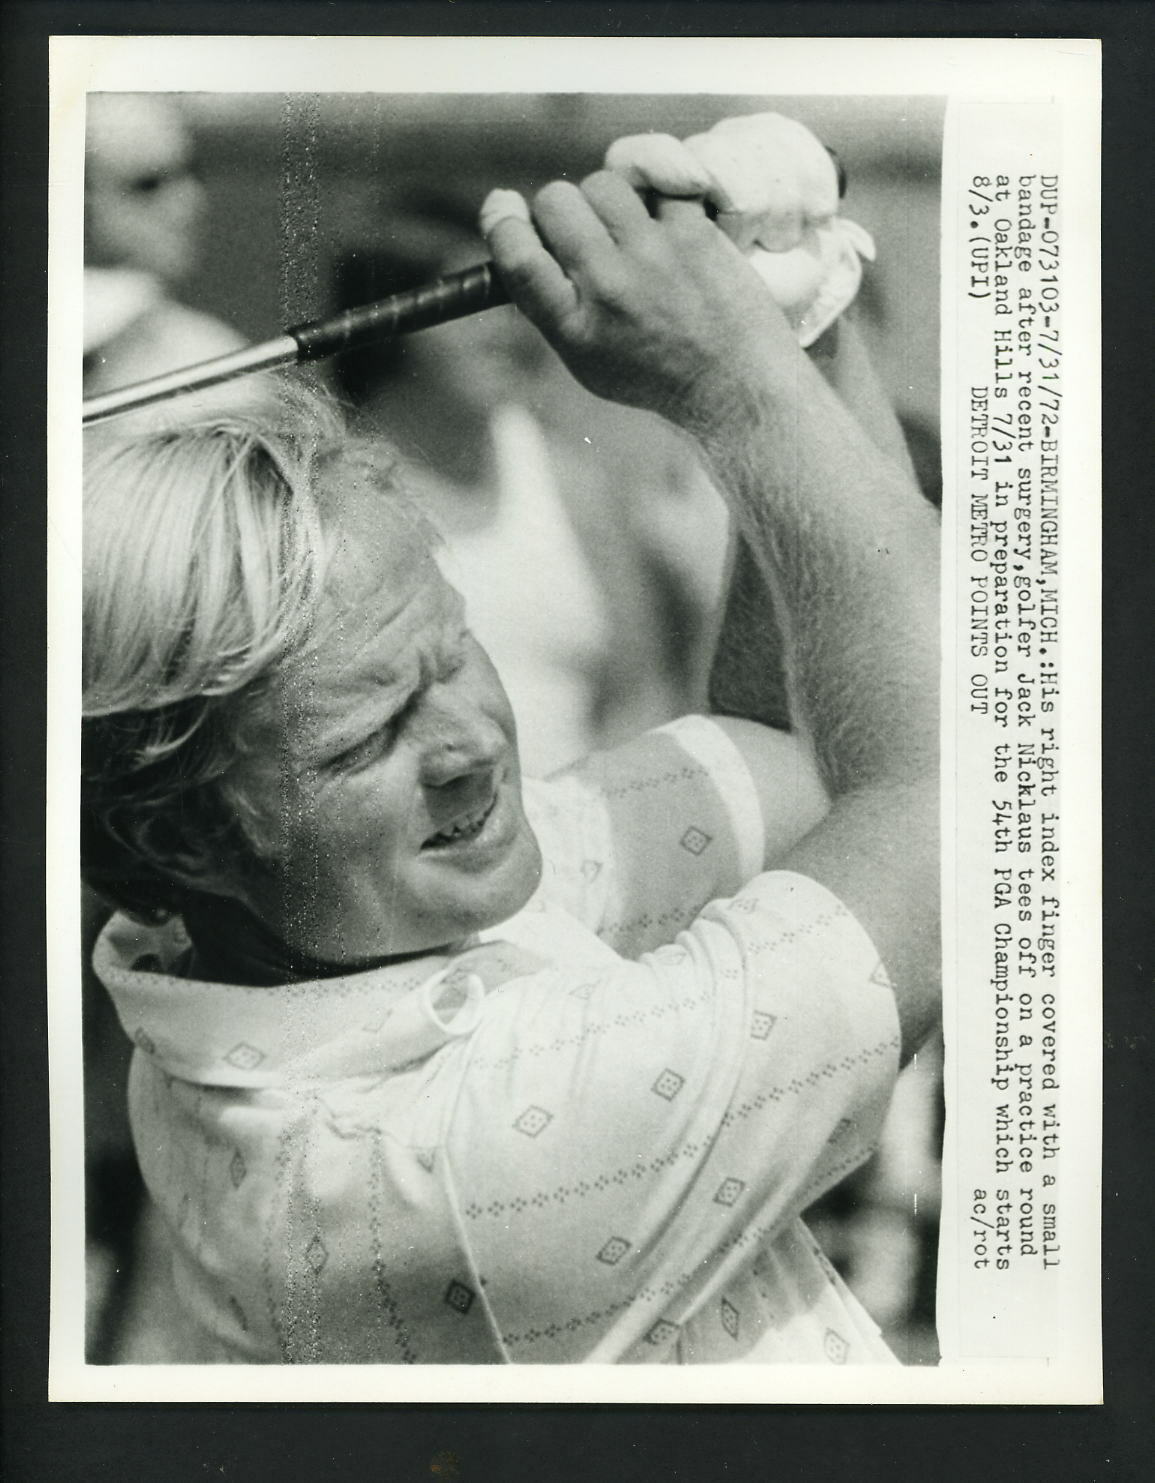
{"x":517,"y":533}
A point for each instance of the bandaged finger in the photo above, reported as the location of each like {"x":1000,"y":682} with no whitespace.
{"x":498,"y":206}
{"x":775,"y":191}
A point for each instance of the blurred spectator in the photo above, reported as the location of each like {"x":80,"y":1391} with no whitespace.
{"x":143,"y":215}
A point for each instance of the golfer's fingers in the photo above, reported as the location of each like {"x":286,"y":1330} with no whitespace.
{"x":658,"y":162}
{"x":535,"y":280}
{"x":574,"y":232}
{"x":670,"y":209}
{"x":618,"y":206}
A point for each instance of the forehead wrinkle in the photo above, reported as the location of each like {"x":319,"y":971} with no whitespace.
{"x":364,"y":506}
{"x":379,"y":558}
{"x":337,"y":686}
{"x":373,"y":549}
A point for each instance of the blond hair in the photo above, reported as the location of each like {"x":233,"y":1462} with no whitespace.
{"x":204,"y":555}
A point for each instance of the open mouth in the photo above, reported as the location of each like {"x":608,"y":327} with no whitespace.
{"x":467,"y":827}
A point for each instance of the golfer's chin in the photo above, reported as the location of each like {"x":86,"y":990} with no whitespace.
{"x":445,"y":902}
{"x":443,"y":890}
{"x":472,"y":893}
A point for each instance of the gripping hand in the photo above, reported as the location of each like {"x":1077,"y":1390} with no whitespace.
{"x":774,"y":191}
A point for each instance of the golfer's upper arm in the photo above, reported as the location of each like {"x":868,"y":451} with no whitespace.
{"x":791,"y":795}
{"x":877,"y":850}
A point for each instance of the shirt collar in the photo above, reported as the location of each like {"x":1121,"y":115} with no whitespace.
{"x":364,"y":1023}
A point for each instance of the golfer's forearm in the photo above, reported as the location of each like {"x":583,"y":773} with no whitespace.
{"x":847,"y":548}
{"x":747,"y":675}
{"x":842,"y":358}
{"x":747,"y":670}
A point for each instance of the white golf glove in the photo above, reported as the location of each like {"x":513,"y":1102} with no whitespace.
{"x":775,"y":189}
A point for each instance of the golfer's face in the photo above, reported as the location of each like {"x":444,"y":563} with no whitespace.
{"x":389,"y":781}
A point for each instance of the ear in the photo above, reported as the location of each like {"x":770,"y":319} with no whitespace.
{"x":208,"y":865}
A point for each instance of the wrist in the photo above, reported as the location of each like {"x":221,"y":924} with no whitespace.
{"x":728,"y":407}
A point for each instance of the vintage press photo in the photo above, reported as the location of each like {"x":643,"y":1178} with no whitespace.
{"x":594,"y":1149}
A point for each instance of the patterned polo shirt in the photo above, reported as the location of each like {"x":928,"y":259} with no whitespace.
{"x":588,"y":1136}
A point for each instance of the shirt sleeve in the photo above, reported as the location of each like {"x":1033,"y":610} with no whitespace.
{"x":637,"y":840}
{"x":625,"y":1142}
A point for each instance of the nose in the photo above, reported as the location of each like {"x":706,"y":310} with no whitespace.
{"x":458,"y":737}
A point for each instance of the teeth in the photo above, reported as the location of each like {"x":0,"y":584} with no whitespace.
{"x":468,"y":825}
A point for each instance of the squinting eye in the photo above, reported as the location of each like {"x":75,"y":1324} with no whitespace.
{"x":362,"y":753}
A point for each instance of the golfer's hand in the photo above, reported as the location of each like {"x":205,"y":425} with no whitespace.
{"x":768,"y":178}
{"x":660,"y":312}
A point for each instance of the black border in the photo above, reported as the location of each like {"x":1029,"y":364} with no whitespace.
{"x":246,"y":1442}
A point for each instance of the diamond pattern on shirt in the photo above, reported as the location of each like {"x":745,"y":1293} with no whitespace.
{"x":695,"y":840}
{"x":594,"y":1028}
{"x":729,"y":1315}
{"x":532,"y":1121}
{"x":761,"y":1024}
{"x":559,"y":1194}
{"x":316,"y":1254}
{"x":729,"y":1190}
{"x":560,"y":1327}
{"x":610,"y":1165}
{"x":459,"y":1297}
{"x":828,"y":1071}
{"x":245,"y":1057}
{"x":836,"y":1347}
{"x":669,"y":1084}
{"x":665,"y":779}
{"x":237,"y":1169}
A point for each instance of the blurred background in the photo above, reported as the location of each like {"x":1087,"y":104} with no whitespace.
{"x":587,"y":541}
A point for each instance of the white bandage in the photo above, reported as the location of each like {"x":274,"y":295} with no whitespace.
{"x":498,"y":205}
{"x":776,"y":192}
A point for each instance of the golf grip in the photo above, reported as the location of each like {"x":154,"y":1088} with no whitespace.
{"x":415,"y":309}
{"x":448,"y":298}
{"x":452,"y":297}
